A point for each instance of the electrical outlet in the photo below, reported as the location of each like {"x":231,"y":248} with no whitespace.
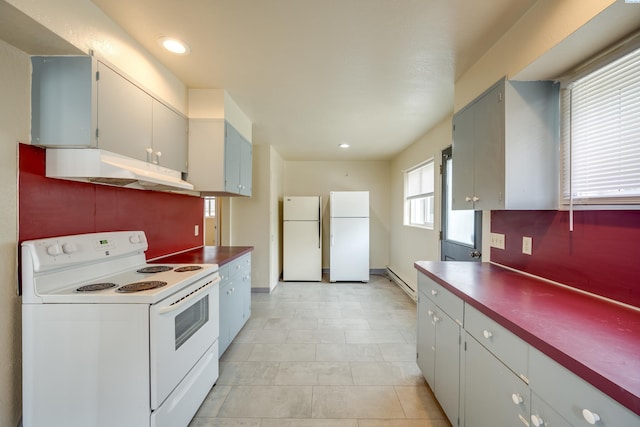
{"x":527,"y":245}
{"x":196,"y":230}
{"x":497,"y":240}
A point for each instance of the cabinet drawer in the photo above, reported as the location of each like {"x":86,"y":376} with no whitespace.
{"x":240,"y":267}
{"x":543,"y":415}
{"x":224,"y":273}
{"x":447,"y":301}
{"x":506,"y":346}
{"x":576,"y":400}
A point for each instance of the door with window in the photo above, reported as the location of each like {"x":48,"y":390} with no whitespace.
{"x":461,"y":236}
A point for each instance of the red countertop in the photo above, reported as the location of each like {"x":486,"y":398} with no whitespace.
{"x":596,"y":339}
{"x":220,"y":255}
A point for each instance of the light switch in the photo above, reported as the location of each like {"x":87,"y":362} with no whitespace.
{"x":527,"y":245}
{"x":497,"y":240}
{"x":196,"y":230}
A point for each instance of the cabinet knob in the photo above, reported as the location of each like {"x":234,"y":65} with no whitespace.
{"x":467,"y":199}
{"x":537,"y":421}
{"x":475,"y":199}
{"x":434,"y":292}
{"x":590,"y":417}
{"x":517,"y":399}
{"x":436,"y":319}
{"x":430,"y":313}
{"x":487,"y":334}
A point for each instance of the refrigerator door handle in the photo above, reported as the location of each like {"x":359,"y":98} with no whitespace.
{"x":331,"y":239}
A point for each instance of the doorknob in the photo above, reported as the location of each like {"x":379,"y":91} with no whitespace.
{"x":475,"y":254}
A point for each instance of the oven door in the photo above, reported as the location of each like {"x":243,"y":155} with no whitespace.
{"x":182,"y":328}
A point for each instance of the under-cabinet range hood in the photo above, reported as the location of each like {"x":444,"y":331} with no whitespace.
{"x":104,"y":167}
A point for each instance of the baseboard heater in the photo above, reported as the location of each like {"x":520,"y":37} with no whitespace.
{"x":402,"y":284}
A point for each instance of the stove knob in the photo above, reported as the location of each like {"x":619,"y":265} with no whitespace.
{"x":135,"y":238}
{"x":69,"y":248}
{"x":54,"y":249}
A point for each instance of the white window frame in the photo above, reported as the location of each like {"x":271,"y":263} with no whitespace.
{"x":420,"y":201}
{"x":209,"y":207}
{"x":569,"y":196}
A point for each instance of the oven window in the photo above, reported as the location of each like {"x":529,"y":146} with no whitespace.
{"x":189,"y":321}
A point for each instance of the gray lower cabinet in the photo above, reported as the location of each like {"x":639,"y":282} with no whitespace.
{"x":235,"y":299}
{"x":493,"y":395}
{"x":495,"y":379}
{"x":438,"y":345}
{"x":575,"y":400}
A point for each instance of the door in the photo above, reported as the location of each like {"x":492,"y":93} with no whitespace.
{"x":302,"y":251}
{"x":350,"y":204}
{"x":461,"y":238}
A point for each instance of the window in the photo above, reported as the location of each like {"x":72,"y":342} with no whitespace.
{"x":210,"y":206}
{"x":601,"y":133}
{"x":418,"y":195}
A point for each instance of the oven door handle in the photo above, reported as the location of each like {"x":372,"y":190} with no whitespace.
{"x":187,"y":298}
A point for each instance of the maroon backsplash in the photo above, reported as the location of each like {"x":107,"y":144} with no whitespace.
{"x":601,"y":255}
{"x":53,"y":207}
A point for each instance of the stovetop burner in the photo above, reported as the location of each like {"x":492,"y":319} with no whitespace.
{"x":188,"y":268}
{"x":154,"y":269}
{"x":96,"y":287}
{"x":141,"y":286}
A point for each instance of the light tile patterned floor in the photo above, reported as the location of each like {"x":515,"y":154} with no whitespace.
{"x":324,"y":355}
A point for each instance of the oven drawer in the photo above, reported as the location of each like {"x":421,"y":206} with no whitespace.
{"x":182,"y":328}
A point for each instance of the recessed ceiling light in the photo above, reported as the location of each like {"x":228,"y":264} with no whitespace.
{"x":344,"y":145}
{"x":174,"y":45}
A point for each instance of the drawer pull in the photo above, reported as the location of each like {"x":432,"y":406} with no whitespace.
{"x":434,"y":292}
{"x":430,"y":313}
{"x":517,"y":399}
{"x":590,"y":417}
{"x":537,"y":421}
{"x":436,"y":319}
{"x":487,"y":334}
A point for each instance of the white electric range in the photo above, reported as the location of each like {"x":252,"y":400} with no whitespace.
{"x":110,"y":340}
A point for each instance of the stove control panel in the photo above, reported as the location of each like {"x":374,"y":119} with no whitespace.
{"x":58,"y":252}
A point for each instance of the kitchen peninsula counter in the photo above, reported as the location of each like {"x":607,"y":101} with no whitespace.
{"x":596,"y":339}
{"x":220,"y":255}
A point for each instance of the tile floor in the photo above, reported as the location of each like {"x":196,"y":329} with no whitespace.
{"x":324,"y":355}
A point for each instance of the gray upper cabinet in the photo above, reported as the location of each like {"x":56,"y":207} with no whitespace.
{"x":78,"y":101}
{"x":220,"y":158}
{"x":505,"y":148}
{"x":170,"y":137}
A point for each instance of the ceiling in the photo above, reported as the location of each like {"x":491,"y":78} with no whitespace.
{"x":311,"y":74}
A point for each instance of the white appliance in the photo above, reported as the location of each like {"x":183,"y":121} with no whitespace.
{"x":302,"y":238}
{"x":109,"y":340}
{"x":349,"y":236}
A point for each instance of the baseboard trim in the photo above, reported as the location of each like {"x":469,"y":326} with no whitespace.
{"x":261,"y":290}
{"x":402,"y":284}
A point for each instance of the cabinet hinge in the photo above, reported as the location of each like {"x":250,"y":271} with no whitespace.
{"x":97,"y":132}
{"x":440,"y":235}
{"x":454,"y":127}
{"x":97,"y":75}
{"x":465,"y":346}
{"x":440,"y":167}
{"x":500,"y":97}
{"x":417,"y":355}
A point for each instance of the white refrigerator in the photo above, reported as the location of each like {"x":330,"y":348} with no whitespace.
{"x":349,"y":236}
{"x":302,"y":238}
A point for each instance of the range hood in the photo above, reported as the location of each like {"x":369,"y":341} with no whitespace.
{"x":104,"y":167}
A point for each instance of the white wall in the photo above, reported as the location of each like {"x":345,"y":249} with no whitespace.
{"x":14,"y":126}
{"x":311,"y":178}
{"x":410,"y":244}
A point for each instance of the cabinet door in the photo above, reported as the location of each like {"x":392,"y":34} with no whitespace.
{"x":124,"y":115}
{"x":426,"y":339}
{"x":463,"y":159}
{"x":232,"y":158}
{"x":489,"y":150}
{"x":447,"y":381}
{"x":543,"y":415}
{"x":246,"y":164}
{"x":494,"y":396}
{"x":169,"y":138}
{"x":225,"y":315}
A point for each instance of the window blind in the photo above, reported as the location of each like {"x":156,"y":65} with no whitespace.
{"x":601,"y":135}
{"x":420,"y":181}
